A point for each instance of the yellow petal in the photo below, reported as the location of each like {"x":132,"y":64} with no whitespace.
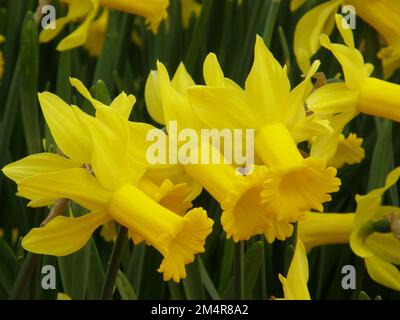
{"x":176,"y":106}
{"x":367,"y":207}
{"x":110,"y":159}
{"x":295,"y":284}
{"x":294,"y":112}
{"x":78,"y":37}
{"x":213,"y":74}
{"x":66,"y":127}
{"x":295,"y":4}
{"x":63,"y":296}
{"x":153,"y":10}
{"x":383,"y":272}
{"x":315,"y":22}
{"x":123,"y":104}
{"x":63,"y":235}
{"x":350,"y":58}
{"x":182,"y":80}
{"x":222,"y":107}
{"x":97,"y":31}
{"x":267,"y":86}
{"x":386,"y":246}
{"x":76,"y":10}
{"x":37,"y":164}
{"x":153,"y":97}
{"x":75,"y":184}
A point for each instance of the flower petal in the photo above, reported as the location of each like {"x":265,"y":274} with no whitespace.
{"x":75,"y":184}
{"x":295,"y":284}
{"x":37,"y":164}
{"x":66,"y":127}
{"x":63,"y":235}
{"x":383,"y":272}
{"x":315,"y":22}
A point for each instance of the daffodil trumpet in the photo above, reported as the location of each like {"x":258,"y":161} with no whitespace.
{"x":371,"y":231}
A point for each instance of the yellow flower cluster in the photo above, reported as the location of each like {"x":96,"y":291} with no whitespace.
{"x":102,"y":164}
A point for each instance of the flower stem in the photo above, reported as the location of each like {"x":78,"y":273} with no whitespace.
{"x":113,"y":265}
{"x":24,"y":275}
{"x":238,"y":271}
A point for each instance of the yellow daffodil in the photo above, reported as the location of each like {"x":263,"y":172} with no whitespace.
{"x":112,"y":193}
{"x":243,"y":213}
{"x":189,"y":7}
{"x":380,"y":251}
{"x":86,"y":10}
{"x":340,"y":102}
{"x":382,"y":15}
{"x":2,"y":39}
{"x":349,"y":151}
{"x":276,"y":202}
{"x":278,"y":116}
{"x":295,"y":283}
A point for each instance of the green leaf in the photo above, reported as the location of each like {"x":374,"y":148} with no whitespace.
{"x":207,"y":282}
{"x":252,"y":266}
{"x":382,"y":158}
{"x":7,"y":266}
{"x":124,"y":287}
{"x":193,"y":284}
{"x":28,"y":85}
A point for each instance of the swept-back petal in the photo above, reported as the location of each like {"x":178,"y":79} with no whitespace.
{"x":63,"y":235}
{"x":37,"y":164}
{"x":75,"y":184}
{"x":315,"y":22}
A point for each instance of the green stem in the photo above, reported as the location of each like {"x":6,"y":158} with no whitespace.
{"x":24,"y":275}
{"x":113,"y":265}
{"x":238,"y":271}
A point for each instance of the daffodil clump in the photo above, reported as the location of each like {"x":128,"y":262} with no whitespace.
{"x":188,"y":149}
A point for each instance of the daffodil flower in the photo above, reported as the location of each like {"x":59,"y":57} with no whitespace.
{"x":380,"y":251}
{"x":112,"y":193}
{"x":295,"y":283}
{"x":272,"y":208}
{"x":382,"y":15}
{"x":340,"y":102}
{"x":279,"y":118}
{"x":243,"y":213}
{"x":86,"y":10}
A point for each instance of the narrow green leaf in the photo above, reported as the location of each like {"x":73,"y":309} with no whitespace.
{"x":124,"y":287}
{"x":207,"y":282}
{"x":193,"y":284}
{"x":28,"y":89}
{"x":7,"y":266}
